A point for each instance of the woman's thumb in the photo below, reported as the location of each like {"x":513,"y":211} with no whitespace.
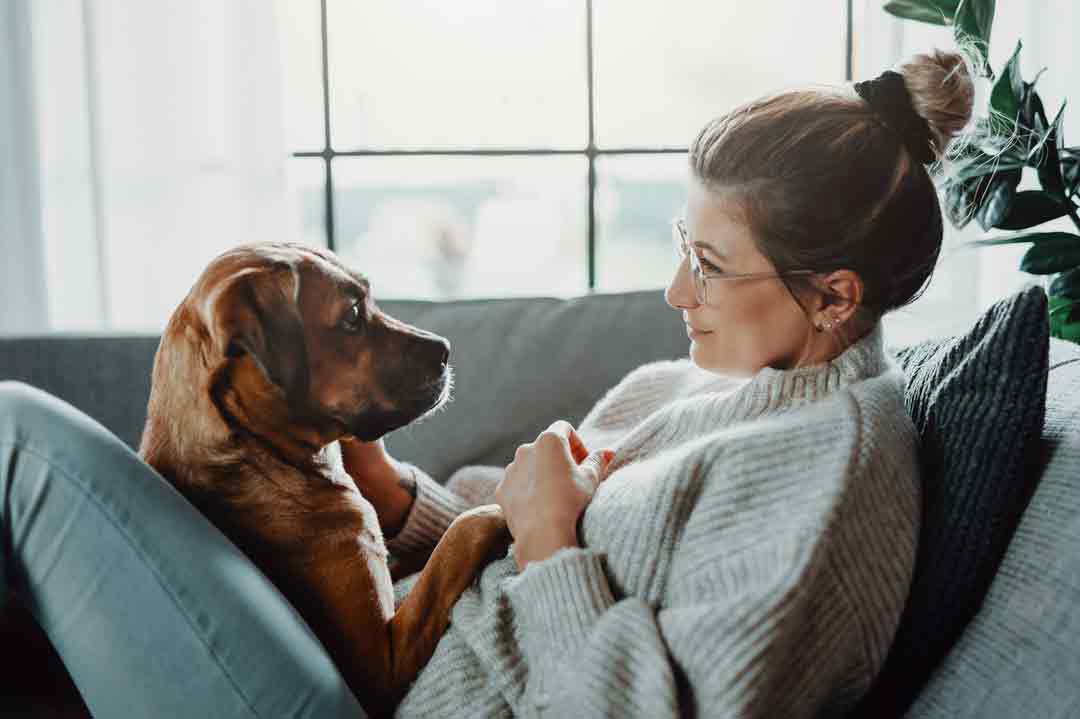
{"x":595,"y":466}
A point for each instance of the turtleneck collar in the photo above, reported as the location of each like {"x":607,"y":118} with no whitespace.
{"x":772,"y":389}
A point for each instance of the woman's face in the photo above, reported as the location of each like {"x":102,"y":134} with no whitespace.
{"x":748,"y":324}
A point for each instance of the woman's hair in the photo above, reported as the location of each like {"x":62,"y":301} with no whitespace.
{"x":825,"y":184}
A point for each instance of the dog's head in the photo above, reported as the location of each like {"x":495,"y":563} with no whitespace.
{"x":296,"y":352}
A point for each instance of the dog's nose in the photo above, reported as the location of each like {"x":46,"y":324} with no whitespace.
{"x":444,"y":348}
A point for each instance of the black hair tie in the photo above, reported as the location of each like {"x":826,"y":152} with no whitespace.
{"x":890,"y":100}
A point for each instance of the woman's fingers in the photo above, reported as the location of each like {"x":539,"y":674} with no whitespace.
{"x":577,"y":448}
{"x":562,"y":428}
{"x":594,"y":467}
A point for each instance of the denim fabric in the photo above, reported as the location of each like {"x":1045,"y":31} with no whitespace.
{"x":154,"y":612}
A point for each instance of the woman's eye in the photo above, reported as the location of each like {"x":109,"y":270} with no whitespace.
{"x":709,"y":266}
{"x":354,"y":318}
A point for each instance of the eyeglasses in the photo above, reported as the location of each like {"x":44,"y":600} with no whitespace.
{"x":681,"y":237}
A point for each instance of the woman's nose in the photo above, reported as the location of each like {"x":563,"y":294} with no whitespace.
{"x":680,"y":293}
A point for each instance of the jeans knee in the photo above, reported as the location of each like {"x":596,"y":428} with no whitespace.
{"x":23,"y":405}
{"x":17,"y":397}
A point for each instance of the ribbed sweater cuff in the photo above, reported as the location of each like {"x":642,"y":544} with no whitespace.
{"x":560,"y":598}
{"x":434,"y":508}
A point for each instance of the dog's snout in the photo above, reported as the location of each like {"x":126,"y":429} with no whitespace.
{"x":433,"y":351}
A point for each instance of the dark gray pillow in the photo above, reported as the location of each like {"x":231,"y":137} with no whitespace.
{"x":978,"y":401}
{"x":1018,"y":656}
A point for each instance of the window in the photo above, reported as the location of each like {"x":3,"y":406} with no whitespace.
{"x":451,"y":150}
{"x":492,"y":148}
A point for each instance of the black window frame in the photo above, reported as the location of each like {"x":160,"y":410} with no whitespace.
{"x":591,"y":152}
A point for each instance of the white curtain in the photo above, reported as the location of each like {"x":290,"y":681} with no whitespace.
{"x":154,"y":141}
{"x":22,"y":267}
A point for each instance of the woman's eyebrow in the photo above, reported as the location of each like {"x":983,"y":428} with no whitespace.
{"x":710,"y":248}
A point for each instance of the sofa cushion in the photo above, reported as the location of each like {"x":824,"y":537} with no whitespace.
{"x":978,"y":403}
{"x":521,"y":364}
{"x":1018,"y":657}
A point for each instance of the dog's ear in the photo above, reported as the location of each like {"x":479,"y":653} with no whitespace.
{"x":254,"y":312}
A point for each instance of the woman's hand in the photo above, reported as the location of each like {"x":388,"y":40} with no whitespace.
{"x":545,"y":490}
{"x":383,"y":481}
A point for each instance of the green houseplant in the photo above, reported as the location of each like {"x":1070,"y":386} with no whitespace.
{"x":986,"y":169}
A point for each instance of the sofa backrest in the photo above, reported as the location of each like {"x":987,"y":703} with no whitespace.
{"x":106,"y":376}
{"x":519,"y":363}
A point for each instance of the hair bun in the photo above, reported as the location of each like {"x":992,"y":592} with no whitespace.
{"x":888,"y":97}
{"x":942,"y":92}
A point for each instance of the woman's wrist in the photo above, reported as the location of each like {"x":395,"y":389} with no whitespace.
{"x":540,"y":544}
{"x":391,"y":489}
{"x":397,"y":500}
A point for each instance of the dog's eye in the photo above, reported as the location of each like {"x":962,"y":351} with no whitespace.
{"x":353,"y":321}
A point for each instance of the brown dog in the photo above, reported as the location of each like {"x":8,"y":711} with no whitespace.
{"x":276,"y":352}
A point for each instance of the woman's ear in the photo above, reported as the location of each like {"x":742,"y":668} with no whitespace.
{"x":842,"y":293}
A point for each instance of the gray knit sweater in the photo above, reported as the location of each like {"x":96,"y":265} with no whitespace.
{"x":748,"y":555}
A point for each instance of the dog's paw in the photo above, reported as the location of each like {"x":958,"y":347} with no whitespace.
{"x":484,"y":528}
{"x":491,"y":511}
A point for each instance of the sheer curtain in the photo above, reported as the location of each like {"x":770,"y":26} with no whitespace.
{"x":968,"y":280}
{"x":154,"y":137}
{"x":22,"y":266}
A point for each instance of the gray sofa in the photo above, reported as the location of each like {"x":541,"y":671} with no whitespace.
{"x":523,"y":362}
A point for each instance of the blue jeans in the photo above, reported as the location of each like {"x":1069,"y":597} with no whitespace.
{"x":154,"y":612}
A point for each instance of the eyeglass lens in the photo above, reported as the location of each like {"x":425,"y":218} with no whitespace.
{"x":682,"y":243}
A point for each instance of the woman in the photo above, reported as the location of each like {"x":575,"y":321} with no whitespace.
{"x":740,"y":544}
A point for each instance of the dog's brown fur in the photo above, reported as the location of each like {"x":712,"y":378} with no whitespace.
{"x":258,"y":373}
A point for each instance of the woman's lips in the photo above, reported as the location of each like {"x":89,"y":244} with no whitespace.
{"x":694,"y":332}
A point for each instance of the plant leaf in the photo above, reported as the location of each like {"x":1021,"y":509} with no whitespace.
{"x":1050,"y":163}
{"x":984,"y":164}
{"x":1061,"y":312}
{"x":1030,"y":208}
{"x":1031,"y":105}
{"x":1045,"y":132}
{"x":994,"y":205}
{"x":1052,"y":255}
{"x":962,"y":199}
{"x":918,"y":10}
{"x":957,"y":205}
{"x":1069,"y":331}
{"x":1056,"y":304}
{"x":974,"y":19}
{"x":1033,"y":237}
{"x":1007,"y":97}
{"x":1066,"y":285}
{"x":1032,"y":119}
{"x":1070,"y":174}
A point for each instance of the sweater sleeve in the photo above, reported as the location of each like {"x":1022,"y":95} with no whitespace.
{"x":762,"y":650}
{"x":436,"y":506}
